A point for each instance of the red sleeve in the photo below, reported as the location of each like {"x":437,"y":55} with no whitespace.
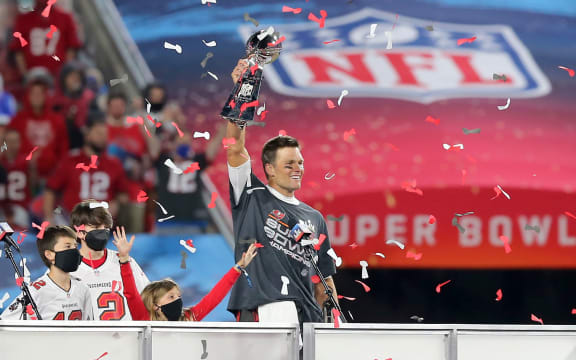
{"x":72,"y":40}
{"x":135,"y":303}
{"x":215,"y":296}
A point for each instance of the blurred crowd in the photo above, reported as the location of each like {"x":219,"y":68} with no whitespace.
{"x":66,"y":135}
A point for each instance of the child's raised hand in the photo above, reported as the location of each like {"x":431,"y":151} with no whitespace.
{"x":124,"y":246}
{"x":248,"y":256}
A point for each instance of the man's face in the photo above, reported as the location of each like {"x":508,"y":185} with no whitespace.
{"x":156,"y":95}
{"x":116,"y":108}
{"x":73,"y":81}
{"x":37,"y":96}
{"x":12,"y":142}
{"x":98,"y":136}
{"x":288,"y":169}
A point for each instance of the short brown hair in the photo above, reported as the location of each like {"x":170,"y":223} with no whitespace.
{"x":82,"y":214}
{"x":271,"y":147}
{"x":50,"y":238}
{"x":153,"y":292}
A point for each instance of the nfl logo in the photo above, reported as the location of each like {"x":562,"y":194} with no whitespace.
{"x":422,"y":65}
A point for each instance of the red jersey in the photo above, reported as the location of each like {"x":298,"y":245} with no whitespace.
{"x":75,"y":185}
{"x":17,"y":190}
{"x":40,"y":49}
{"x":128,"y":137}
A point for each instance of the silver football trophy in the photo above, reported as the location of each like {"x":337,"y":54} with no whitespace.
{"x":263,"y":47}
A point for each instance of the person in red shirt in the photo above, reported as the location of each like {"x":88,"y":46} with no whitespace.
{"x":39,"y":126}
{"x":87,"y":173}
{"x":43,"y":44}
{"x":162,"y":300}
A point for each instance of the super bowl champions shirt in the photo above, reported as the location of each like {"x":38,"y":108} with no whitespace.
{"x":261,"y":213}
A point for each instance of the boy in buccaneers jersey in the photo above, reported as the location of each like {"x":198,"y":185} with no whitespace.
{"x":58,"y":295}
{"x":100,"y":267}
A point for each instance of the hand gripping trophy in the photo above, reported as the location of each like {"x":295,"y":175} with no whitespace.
{"x":263,"y":47}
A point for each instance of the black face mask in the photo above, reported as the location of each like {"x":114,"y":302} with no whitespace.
{"x":157,"y":107}
{"x":172,"y":310}
{"x":97,"y":239}
{"x":68,"y":260}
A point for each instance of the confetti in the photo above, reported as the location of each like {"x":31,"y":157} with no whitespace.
{"x":411,"y":188}
{"x":101,"y":356}
{"x":431,"y":219}
{"x":282,"y":133}
{"x":214,"y":76}
{"x":210,"y":43}
{"x":499,"y":77}
{"x":349,"y":313}
{"x":336,"y":317}
{"x":5,"y":297}
{"x":389,"y":37}
{"x":292,"y":10}
{"x":180,"y":133}
{"x":570,"y":71}
{"x":19,"y":36}
{"x":42,"y":228}
{"x":416,"y":318}
{"x":258,"y":245}
{"x":285,"y":282}
{"x":142,"y":196}
{"x":19,"y":281}
{"x":188,"y":245}
{"x":504,"y":107}
{"x":439,"y":286}
{"x":204,"y":352}
{"x":372,"y":33}
{"x":320,"y":21}
{"x":465,"y":214}
{"x":206,"y":58}
{"x":267,"y":32}
{"x":536,"y":228}
{"x":55,"y":58}
{"x":498,"y":295}
{"x":4,"y":147}
{"x":330,"y":104}
{"x":251,"y":19}
{"x":432,"y":120}
{"x":568,"y":213}
{"x":175,"y":47}
{"x":466,"y":40}
{"x":333,"y":218}
{"x":318,"y":243}
{"x":315,"y":279}
{"x":395,"y":242}
{"x":455,"y":147}
{"x":342,"y":94}
{"x":192,"y":168}
{"x":381,"y":255}
{"x":460,"y":227}
{"x":118,"y":81}
{"x":366,"y":287}
{"x":101,"y":204}
{"x":166,"y":218}
{"x":430,"y":27}
{"x":212,"y":204}
{"x":135,"y":120}
{"x":46,"y":11}
{"x":506,"y":242}
{"x":173,"y":166}
{"x":573,"y":311}
{"x":349,"y":133}
{"x":536,"y":319}
{"x":29,"y":157}
{"x":279,"y":41}
{"x":413,"y":255}
{"x":498,"y":189}
{"x":161,"y":207}
{"x":346,"y":297}
{"x":330,"y":42}
{"x":329,"y":176}
{"x":332,"y":254}
{"x":53,"y":29}
{"x":472,"y":131}
{"x":205,"y":135}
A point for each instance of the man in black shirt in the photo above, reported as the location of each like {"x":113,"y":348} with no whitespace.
{"x":281,"y":287}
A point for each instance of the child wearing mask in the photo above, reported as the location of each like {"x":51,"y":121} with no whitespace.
{"x":162,"y":300}
{"x":100,"y":267}
{"x":58,"y":295}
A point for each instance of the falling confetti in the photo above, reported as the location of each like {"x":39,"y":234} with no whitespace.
{"x":381,"y":255}
{"x":4,"y":147}
{"x":348,"y":134}
{"x":389,"y":37}
{"x":413,"y":255}
{"x":466,"y":40}
{"x":213,"y":75}
{"x":29,"y":157}
{"x":279,"y":41}
{"x":336,"y":317}
{"x":99,"y":204}
{"x":167,"y":218}
{"x":536,"y":228}
{"x":536,"y":319}
{"x":285,"y":283}
{"x":247,"y":17}
{"x":333,"y":218}
{"x":19,"y":36}
{"x":315,"y":279}
{"x":439,"y":286}
{"x":121,"y":80}
{"x":499,"y":77}
{"x":498,"y":295}
{"x":212,"y":204}
{"x":364,"y":265}
{"x":432,"y":120}
{"x":192,"y":168}
{"x":320,"y":21}
{"x":394,"y":242}
{"x":42,"y":228}
{"x":46,"y":11}
{"x":188,"y":245}
{"x":180,"y":133}
{"x":366,"y":287}
{"x":53,"y":29}
{"x":175,"y":47}
{"x":568,"y":213}
{"x":206,"y":58}
{"x":173,"y":166}
{"x":504,"y":107}
{"x":472,"y":131}
{"x":411,"y":187}
{"x":142,"y":196}
{"x":329,"y":176}
{"x":506,"y":242}
{"x":455,"y":147}
{"x":209,"y":43}
{"x":346,"y":297}
{"x":570,"y":71}
{"x":184,"y":255}
{"x":330,"y":104}
{"x":416,"y":318}
{"x":5,"y":297}
{"x":205,"y":135}
{"x":267,"y":32}
{"x":431,"y":219}
{"x":332,"y":254}
{"x":372,"y":33}
{"x":204,"y":348}
{"x":101,"y":356}
{"x":342,"y":94}
{"x":161,"y":207}
{"x":292,"y":10}
{"x":330,"y":41}
{"x":498,"y":189}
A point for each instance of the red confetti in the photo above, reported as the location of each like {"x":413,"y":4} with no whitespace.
{"x":411,"y":187}
{"x":430,"y":119}
{"x":498,"y":192}
{"x":366,"y":287}
{"x":336,"y":317}
{"x":282,"y":133}
{"x":568,"y":213}
{"x":506,"y":242}
{"x":258,"y":245}
{"x":439,"y":286}
{"x":135,"y":120}
{"x":413,"y":255}
{"x":320,"y":21}
{"x":53,"y":29}
{"x":353,"y":245}
{"x":180,"y":133}
{"x":499,"y":295}
{"x":19,"y":281}
{"x":228,"y":141}
{"x":147,"y":131}
{"x":142,"y":196}
{"x":192,"y":168}
{"x":42,"y":228}
{"x":292,"y":10}
{"x":349,"y":133}
{"x":18,"y":35}
{"x":535,"y":318}
{"x":331,"y":41}
{"x":321,"y":239}
{"x":431,"y":219}
{"x":156,"y":123}
{"x":330,"y":104}
{"x":29,"y":157}
{"x":212,"y":204}
{"x":263,"y":115}
{"x":466,"y":40}
{"x":573,"y":311}
{"x":46,"y":11}
{"x":315,"y":279}
{"x":570,"y":71}
{"x":190,"y":243}
{"x":280,"y":40}
{"x":346,"y":297}
{"x":106,"y":353}
{"x":247,"y":105}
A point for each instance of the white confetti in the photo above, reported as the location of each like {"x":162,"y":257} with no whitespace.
{"x":214,"y":76}
{"x":208,"y":1}
{"x":187,"y":247}
{"x":261,"y":109}
{"x":448,"y":147}
{"x":166,"y":218}
{"x":394,"y":242}
{"x":372,"y":31}
{"x":504,"y":107}
{"x":210,"y":43}
{"x":285,"y":282}
{"x":381,"y":255}
{"x":102,"y":204}
{"x":205,"y":135}
{"x":3,"y":300}
{"x":364,"y":265}
{"x":148,"y":106}
{"x":337,"y":259}
{"x":389,"y":36}
{"x":161,"y":207}
{"x":176,"y":47}
{"x":342,"y":94}
{"x":173,"y":166}
{"x":115,"y":82}
{"x":55,"y":58}
{"x":503,"y":192}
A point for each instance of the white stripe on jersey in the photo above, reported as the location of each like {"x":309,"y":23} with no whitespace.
{"x":106,"y":288}
{"x":54,"y":303}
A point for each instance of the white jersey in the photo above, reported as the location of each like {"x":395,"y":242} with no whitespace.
{"x":55,"y":303}
{"x":106,"y":288}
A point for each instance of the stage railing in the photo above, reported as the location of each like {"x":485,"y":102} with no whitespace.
{"x":439,"y":342}
{"x":155,"y":340}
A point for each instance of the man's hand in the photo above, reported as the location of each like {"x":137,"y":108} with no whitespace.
{"x":239,"y":69}
{"x":124,"y":246}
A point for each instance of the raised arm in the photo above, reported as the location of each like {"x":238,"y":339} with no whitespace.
{"x":237,"y":153}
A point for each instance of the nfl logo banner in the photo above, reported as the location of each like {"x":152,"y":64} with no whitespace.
{"x":407,"y":58}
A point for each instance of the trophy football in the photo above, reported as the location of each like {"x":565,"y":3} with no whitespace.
{"x":263,"y":47}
